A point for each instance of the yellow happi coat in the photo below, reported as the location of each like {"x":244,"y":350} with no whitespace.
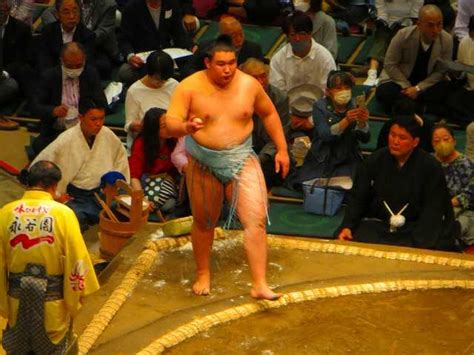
{"x":37,"y":229}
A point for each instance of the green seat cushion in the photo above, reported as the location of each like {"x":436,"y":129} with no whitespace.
{"x":291,"y":219}
{"x":117,"y":118}
{"x":282,"y":191}
{"x":361,"y":58}
{"x":346,"y":45}
{"x":376,"y":108}
{"x":375,"y":127}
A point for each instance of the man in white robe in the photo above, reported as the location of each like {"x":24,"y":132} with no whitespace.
{"x":84,"y":154}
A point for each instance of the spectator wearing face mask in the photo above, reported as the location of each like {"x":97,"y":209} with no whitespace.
{"x":339,"y":126}
{"x":300,"y":70}
{"x":60,"y":91}
{"x":459,"y":172}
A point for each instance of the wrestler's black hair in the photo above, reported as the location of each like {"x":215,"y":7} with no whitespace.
{"x":470,"y":26}
{"x":408,"y":122}
{"x":299,"y":21}
{"x":151,"y":133}
{"x":86,"y":104}
{"x":223,"y":43}
{"x":160,"y":63}
{"x":339,"y":77}
{"x":43,"y":174}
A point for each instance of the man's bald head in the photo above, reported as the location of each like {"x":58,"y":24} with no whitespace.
{"x":430,"y":11}
{"x":73,"y":55}
{"x":231,"y":27}
{"x":430,"y":23}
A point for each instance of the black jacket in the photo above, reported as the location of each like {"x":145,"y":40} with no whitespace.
{"x":138,"y":32}
{"x":51,"y":43}
{"x":16,"y":41}
{"x":49,"y":94}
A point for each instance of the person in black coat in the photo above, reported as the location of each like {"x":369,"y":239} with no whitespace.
{"x":68,"y":28}
{"x":15,"y":72}
{"x":60,"y":91}
{"x":231,"y":27}
{"x":148,"y":25}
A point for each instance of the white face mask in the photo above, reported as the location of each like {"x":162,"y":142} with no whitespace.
{"x":72,"y":73}
{"x":342,"y":97}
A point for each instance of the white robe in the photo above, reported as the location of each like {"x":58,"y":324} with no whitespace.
{"x":82,"y":166}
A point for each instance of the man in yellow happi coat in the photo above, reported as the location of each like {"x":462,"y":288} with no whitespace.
{"x":45,"y":268}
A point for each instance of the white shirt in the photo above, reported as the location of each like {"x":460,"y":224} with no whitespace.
{"x":81,"y":165}
{"x":140,"y":98}
{"x":466,"y":56}
{"x":67,"y":36}
{"x":465,"y":11}
{"x":396,"y":10}
{"x":301,"y":77}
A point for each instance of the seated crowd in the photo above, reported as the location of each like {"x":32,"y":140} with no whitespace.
{"x":421,"y":68}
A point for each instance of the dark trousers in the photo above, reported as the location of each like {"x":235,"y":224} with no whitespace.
{"x":42,"y":141}
{"x":84,"y":205}
{"x":461,"y":106}
{"x":431,"y":101}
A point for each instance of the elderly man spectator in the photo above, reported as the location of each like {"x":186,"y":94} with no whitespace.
{"x":410,"y":79}
{"x":98,"y":16}
{"x":392,"y":16}
{"x":67,"y":29}
{"x":61,"y":89}
{"x":465,"y":11}
{"x":15,"y":37}
{"x":262,"y":143}
{"x":45,"y":272}
{"x":231,"y":27}
{"x":400,"y":195}
{"x":300,"y":70}
{"x":148,"y":25}
{"x":84,"y":154}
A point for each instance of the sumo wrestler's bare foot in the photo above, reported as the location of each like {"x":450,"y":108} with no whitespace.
{"x":202,"y":285}
{"x":264,"y":293}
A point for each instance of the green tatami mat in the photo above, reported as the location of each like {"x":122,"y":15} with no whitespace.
{"x":291,"y":219}
{"x":361,"y":58}
{"x":265,"y":36}
{"x":346,"y":45}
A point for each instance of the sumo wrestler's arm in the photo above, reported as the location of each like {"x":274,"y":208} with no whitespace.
{"x":265,"y":109}
{"x":177,"y":122}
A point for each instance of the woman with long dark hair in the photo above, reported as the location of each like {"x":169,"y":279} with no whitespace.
{"x":150,"y":163}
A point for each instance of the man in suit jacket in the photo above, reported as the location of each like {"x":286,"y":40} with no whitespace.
{"x":410,"y":81}
{"x":98,"y":16}
{"x":61,"y":90}
{"x":148,"y":25}
{"x":15,"y":38}
{"x":231,"y":27}
{"x":67,"y":29}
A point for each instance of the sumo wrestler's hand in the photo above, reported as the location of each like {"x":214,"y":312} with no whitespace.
{"x":282,"y":163}
{"x":193,"y":125}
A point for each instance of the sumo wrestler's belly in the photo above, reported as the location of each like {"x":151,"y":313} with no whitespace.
{"x":218,"y":136}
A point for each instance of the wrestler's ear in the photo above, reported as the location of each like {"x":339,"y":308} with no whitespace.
{"x":207,"y":62}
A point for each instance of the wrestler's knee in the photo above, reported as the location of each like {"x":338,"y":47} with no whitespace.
{"x":204,"y":224}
